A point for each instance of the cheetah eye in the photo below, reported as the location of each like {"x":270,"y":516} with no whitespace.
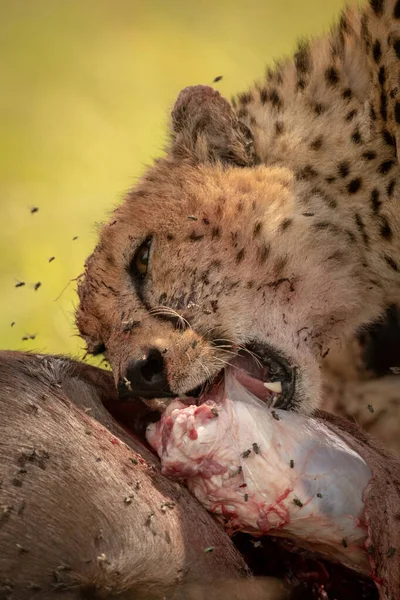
{"x":98,"y":349}
{"x":140,"y":262}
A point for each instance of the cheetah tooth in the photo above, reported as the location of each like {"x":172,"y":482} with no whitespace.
{"x":274,"y":386}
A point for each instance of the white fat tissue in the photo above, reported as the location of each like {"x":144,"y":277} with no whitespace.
{"x":266,"y":471}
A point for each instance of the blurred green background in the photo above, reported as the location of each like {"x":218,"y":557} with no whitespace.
{"x":87,"y":86}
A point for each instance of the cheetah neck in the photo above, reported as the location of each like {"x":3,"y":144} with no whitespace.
{"x":329,"y":115}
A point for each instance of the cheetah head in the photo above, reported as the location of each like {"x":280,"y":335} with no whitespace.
{"x":209,"y":264}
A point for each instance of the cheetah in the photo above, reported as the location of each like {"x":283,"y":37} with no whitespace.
{"x":267,"y":235}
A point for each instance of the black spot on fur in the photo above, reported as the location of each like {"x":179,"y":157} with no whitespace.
{"x":301,"y":85}
{"x":302,"y":58}
{"x":279,"y":128}
{"x":382,"y":76}
{"x":170,"y":237}
{"x":377,"y":51}
{"x":216,"y":232}
{"x":385,"y":166}
{"x":257,"y":229}
{"x":329,"y":201}
{"x":378,"y":7}
{"x":397,"y":110}
{"x":307,"y":173}
{"x":375,"y":202}
{"x":196,"y":237}
{"x":206,"y":221}
{"x":240,"y":256}
{"x":365,"y":34}
{"x":330,"y":179}
{"x":391,"y":186}
{"x":264,"y":95}
{"x":285,"y":224}
{"x":392,"y":263}
{"x":319,"y":108}
{"x":274,"y":74}
{"x":215,"y":264}
{"x":214,"y":305}
{"x":396,"y":46}
{"x":350,"y":116}
{"x":317,"y":143}
{"x":356,"y":137}
{"x":347,"y":94}
{"x":275,"y":99}
{"x":372,"y":113}
{"x":308,"y":214}
{"x":269,"y":74}
{"x":343,"y":23}
{"x":250,"y":284}
{"x":385,"y":229}
{"x":383,"y":106}
{"x":369,"y":155}
{"x":245,"y":98}
{"x":263,"y":253}
{"x":361,"y":228}
{"x":332,"y":76}
{"x":396,"y":10}
{"x":354,"y":185}
{"x":280,"y":265}
{"x":388,"y":138}
{"x":344,"y":169}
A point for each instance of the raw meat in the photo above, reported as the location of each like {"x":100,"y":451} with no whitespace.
{"x":266,"y":471}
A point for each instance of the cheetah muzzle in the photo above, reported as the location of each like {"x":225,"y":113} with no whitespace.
{"x":261,"y":370}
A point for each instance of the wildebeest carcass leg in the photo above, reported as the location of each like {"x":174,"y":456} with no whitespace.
{"x":84,"y":510}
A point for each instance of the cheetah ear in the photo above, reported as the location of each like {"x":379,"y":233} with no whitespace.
{"x":206,"y":129}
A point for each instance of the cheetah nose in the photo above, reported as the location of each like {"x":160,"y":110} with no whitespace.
{"x":146,"y":378}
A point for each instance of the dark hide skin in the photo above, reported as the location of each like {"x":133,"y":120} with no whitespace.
{"x":84,"y":510}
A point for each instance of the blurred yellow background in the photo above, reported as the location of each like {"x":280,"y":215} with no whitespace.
{"x":86,"y":90}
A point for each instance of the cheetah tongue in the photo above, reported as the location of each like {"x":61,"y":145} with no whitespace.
{"x":254,"y":377}
{"x":253,"y":385}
